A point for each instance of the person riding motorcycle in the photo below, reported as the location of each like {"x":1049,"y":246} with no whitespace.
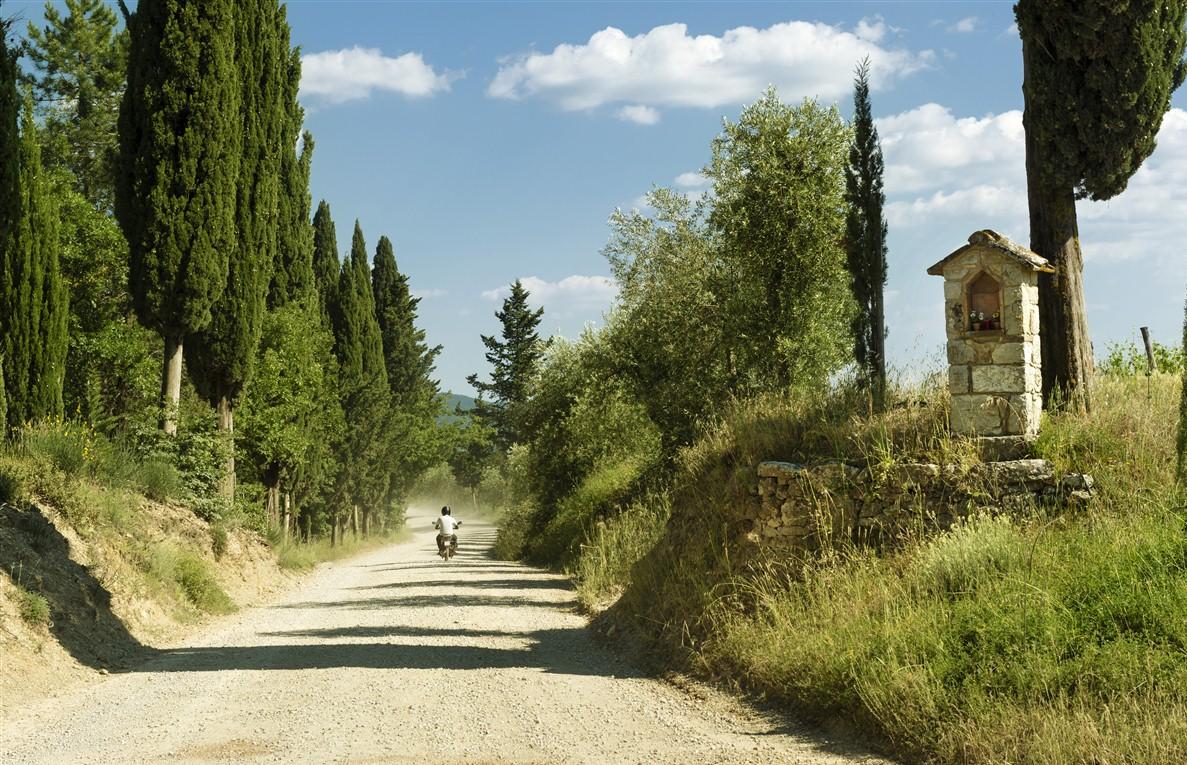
{"x":446,"y":527}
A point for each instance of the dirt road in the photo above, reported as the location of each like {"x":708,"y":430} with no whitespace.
{"x":397,"y":657}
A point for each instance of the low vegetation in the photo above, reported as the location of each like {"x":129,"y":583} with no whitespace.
{"x":1047,"y":639}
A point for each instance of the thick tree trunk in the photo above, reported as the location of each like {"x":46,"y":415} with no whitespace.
{"x":272,"y":504}
{"x":1066,"y":348}
{"x":226,"y":423}
{"x":171,"y":384}
{"x":308,"y":528}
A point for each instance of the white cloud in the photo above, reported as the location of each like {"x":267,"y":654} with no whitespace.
{"x":639,"y":114}
{"x":965,"y":25}
{"x":691,"y":180}
{"x":351,"y":74}
{"x":872,"y":29}
{"x":930,"y":148}
{"x":668,"y":67}
{"x":429,"y":293}
{"x":1012,"y":30}
{"x":569,"y":295}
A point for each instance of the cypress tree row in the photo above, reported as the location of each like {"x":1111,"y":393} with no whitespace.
{"x":224,"y":352}
{"x":10,"y":211}
{"x":177,"y":170}
{"x":865,"y":242}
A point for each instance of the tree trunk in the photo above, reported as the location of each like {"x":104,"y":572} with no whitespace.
{"x":308,"y":527}
{"x":272,"y":503}
{"x":288,"y":513}
{"x":354,"y":522}
{"x":1066,"y":349}
{"x":226,"y":423}
{"x":171,"y":384}
{"x":878,"y":320}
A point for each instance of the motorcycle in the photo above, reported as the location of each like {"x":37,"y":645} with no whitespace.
{"x":449,"y":549}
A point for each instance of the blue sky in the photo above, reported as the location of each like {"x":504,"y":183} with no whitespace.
{"x":492,"y":141}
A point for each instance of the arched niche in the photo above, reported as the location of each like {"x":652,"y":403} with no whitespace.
{"x":984,"y":300}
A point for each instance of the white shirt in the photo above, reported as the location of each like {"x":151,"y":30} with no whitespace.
{"x":447,"y":525}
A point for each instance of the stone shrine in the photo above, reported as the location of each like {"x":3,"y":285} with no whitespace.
{"x":991,"y":309}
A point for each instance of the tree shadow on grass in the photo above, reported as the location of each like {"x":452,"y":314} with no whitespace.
{"x":36,"y":555}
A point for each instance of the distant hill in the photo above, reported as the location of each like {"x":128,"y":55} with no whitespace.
{"x":452,"y":402}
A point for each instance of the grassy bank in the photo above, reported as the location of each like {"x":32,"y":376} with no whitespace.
{"x":1053,"y":639}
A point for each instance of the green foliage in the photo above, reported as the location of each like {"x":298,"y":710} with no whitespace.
{"x":514,"y":360}
{"x":1099,"y":78}
{"x":865,"y":241}
{"x":326,"y":266}
{"x":222,"y":353}
{"x":1127,"y":359}
{"x":973,"y":552}
{"x":34,"y":608}
{"x":33,"y":298}
{"x":78,"y":62}
{"x":11,"y":255}
{"x":158,"y":480}
{"x":779,"y":212}
{"x":613,"y":547}
{"x":192,"y":577}
{"x":179,"y":153}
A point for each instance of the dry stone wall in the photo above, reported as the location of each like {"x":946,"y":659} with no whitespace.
{"x":802,"y":507}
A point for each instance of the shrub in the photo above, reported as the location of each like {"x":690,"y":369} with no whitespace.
{"x":158,"y":480}
{"x":67,"y":446}
{"x":615,"y":545}
{"x":218,"y":540}
{"x":34,"y":608}
{"x":974,"y":551}
{"x":191,"y":576}
{"x":11,"y":483}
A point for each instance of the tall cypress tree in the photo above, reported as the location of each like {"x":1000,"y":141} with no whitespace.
{"x":1097,"y":79}
{"x":10,"y":211}
{"x":326,"y":267}
{"x":46,"y":309}
{"x":177,"y":170}
{"x":409,"y":359}
{"x":223,"y":353}
{"x":362,"y":381}
{"x":514,"y":361}
{"x":292,"y":278}
{"x":865,"y":242}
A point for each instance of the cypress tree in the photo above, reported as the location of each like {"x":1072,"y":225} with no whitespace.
{"x":177,"y":170}
{"x":1097,"y":79}
{"x":10,"y":211}
{"x":514,"y":361}
{"x":362,"y":381}
{"x":223,"y":353}
{"x":409,"y":362}
{"x":865,"y":242}
{"x":408,"y":358}
{"x":326,"y":267}
{"x":292,"y":278}
{"x":46,"y":309}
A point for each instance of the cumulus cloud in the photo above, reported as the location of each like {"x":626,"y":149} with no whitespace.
{"x":667,"y":66}
{"x":691,"y":181}
{"x":571,"y":294}
{"x":929,"y":147}
{"x":964,"y":26}
{"x":639,"y":114}
{"x":351,"y":74}
{"x":429,"y":293}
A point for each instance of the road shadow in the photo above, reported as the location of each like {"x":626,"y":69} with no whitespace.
{"x":36,"y":555}
{"x":556,"y":651}
{"x":442,"y":600}
{"x":360,"y":631}
{"x":524,"y":583}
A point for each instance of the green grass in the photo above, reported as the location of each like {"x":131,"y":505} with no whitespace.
{"x":294,"y":555}
{"x":34,"y":608}
{"x":178,"y":567}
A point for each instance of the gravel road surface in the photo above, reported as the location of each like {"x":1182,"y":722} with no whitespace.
{"x":398,"y":657}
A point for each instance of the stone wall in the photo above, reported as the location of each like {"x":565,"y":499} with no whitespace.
{"x":801,"y":507}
